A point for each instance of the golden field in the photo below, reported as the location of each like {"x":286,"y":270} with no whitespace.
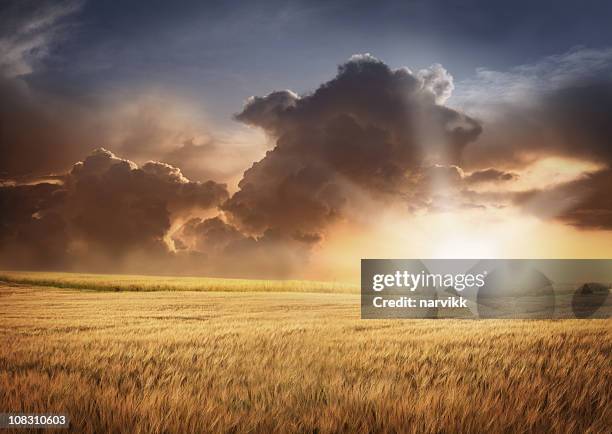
{"x":276,"y":362}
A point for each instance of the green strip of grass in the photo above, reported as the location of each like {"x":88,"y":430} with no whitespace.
{"x":118,"y":282}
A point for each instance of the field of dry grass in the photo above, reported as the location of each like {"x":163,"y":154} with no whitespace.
{"x":292,"y":362}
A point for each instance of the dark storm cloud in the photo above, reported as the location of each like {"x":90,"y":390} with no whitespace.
{"x":584,"y":203}
{"x":572,"y":121}
{"x":370,"y":129}
{"x":580,"y":114}
{"x":119,"y":206}
{"x":32,"y":232}
{"x":490,"y":175}
{"x":210,"y":236}
{"x":106,"y":207}
{"x":222,"y":249}
{"x":558,"y":106}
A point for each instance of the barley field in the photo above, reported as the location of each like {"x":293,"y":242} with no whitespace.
{"x":282,"y":362}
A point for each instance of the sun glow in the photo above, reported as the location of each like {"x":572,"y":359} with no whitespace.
{"x":481,"y":233}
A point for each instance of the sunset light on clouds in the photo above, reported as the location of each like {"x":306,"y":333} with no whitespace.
{"x":155,"y":171}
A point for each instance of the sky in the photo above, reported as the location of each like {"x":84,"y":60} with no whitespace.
{"x":219,"y":53}
{"x":295,"y":137}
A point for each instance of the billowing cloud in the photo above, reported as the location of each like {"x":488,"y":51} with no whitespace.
{"x":556,"y":107}
{"x":105,"y":206}
{"x":370,"y":129}
{"x":438,"y":81}
{"x":222,"y":249}
{"x":570,"y":122}
{"x":585,"y":203}
{"x":32,"y":231}
{"x":371,"y":138}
